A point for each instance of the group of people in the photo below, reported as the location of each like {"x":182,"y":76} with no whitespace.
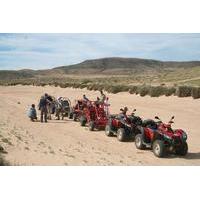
{"x":46,"y":100}
{"x":99,"y":100}
{"x":42,"y":106}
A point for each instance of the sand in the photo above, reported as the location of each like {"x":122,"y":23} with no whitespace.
{"x":67,"y":143}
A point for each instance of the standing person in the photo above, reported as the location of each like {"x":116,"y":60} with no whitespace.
{"x":32,"y":114}
{"x":106,"y":106}
{"x":102,"y":97}
{"x":43,"y":107}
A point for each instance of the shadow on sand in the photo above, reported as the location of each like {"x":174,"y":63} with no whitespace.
{"x":189,"y":156}
{"x":192,"y":156}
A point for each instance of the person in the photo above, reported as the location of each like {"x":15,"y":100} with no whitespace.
{"x":102,"y":97}
{"x":85,"y":98}
{"x":106,"y":104}
{"x":123,"y":112}
{"x":97,"y":102}
{"x":43,"y":107}
{"x":32,"y":114}
{"x":59,"y":99}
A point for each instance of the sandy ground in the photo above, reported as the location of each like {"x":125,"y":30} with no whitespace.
{"x":66,"y":143}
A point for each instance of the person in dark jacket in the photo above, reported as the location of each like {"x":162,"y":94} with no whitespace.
{"x":32,"y":114}
{"x":43,"y":107}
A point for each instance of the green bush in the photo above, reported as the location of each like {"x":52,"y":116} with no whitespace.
{"x":86,"y":81}
{"x":170,"y":91}
{"x":143,"y":90}
{"x":117,"y":88}
{"x":83,"y":86}
{"x":184,"y":91}
{"x":196,"y":92}
{"x":156,"y":91}
{"x":133,"y":89}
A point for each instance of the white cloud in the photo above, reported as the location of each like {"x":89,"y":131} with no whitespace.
{"x":50,"y":50}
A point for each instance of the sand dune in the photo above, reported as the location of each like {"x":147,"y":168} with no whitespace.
{"x":66,"y":143}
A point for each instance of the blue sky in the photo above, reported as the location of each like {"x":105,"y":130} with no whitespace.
{"x":40,"y":51}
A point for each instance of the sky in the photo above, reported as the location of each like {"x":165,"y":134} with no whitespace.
{"x":42,"y":51}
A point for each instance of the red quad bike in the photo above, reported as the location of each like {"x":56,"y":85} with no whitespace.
{"x":78,"y":109}
{"x":161,"y":138}
{"x":95,"y":115}
{"x":125,"y":129}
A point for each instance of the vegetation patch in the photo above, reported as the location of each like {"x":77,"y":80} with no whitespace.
{"x":196,"y":92}
{"x":184,"y":91}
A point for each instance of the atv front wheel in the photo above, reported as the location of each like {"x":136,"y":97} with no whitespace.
{"x":159,"y":148}
{"x":108,"y":131}
{"x":182,"y":150}
{"x":139,"y":141}
{"x":83,"y":121}
{"x":91,"y":126}
{"x":74,"y":117}
{"x":121,"y":134}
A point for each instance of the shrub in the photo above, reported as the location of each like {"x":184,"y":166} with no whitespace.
{"x":83,"y":86}
{"x":143,"y":90}
{"x":86,"y":81}
{"x":157,"y":91}
{"x":170,"y":91}
{"x":133,"y":89}
{"x":184,"y":91}
{"x":65,"y":85}
{"x":117,"y":88}
{"x":196,"y":92}
{"x":89,"y":87}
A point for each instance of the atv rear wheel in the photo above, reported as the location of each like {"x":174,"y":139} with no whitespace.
{"x":91,"y":125}
{"x":182,"y":150}
{"x":108,"y":131}
{"x":159,"y":148}
{"x":121,"y":134}
{"x":139,"y":141}
{"x":83,"y":121}
{"x":70,"y":115}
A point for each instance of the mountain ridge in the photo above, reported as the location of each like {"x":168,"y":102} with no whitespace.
{"x":104,"y":66}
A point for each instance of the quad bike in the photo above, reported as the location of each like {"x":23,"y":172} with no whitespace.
{"x":77,"y":110}
{"x":124,"y":128}
{"x":66,"y":108}
{"x":63,"y":108}
{"x":95,"y":115}
{"x":161,"y":138}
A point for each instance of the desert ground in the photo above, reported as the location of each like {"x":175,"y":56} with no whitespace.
{"x":67,"y":143}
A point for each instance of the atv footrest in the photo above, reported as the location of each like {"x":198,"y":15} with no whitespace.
{"x":148,"y":145}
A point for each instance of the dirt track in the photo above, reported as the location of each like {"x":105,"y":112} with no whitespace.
{"x":66,"y":143}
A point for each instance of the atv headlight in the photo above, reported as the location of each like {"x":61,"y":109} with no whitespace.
{"x":184,"y":135}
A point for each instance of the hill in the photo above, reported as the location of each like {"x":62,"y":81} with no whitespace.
{"x":119,"y":66}
{"x":110,"y":66}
